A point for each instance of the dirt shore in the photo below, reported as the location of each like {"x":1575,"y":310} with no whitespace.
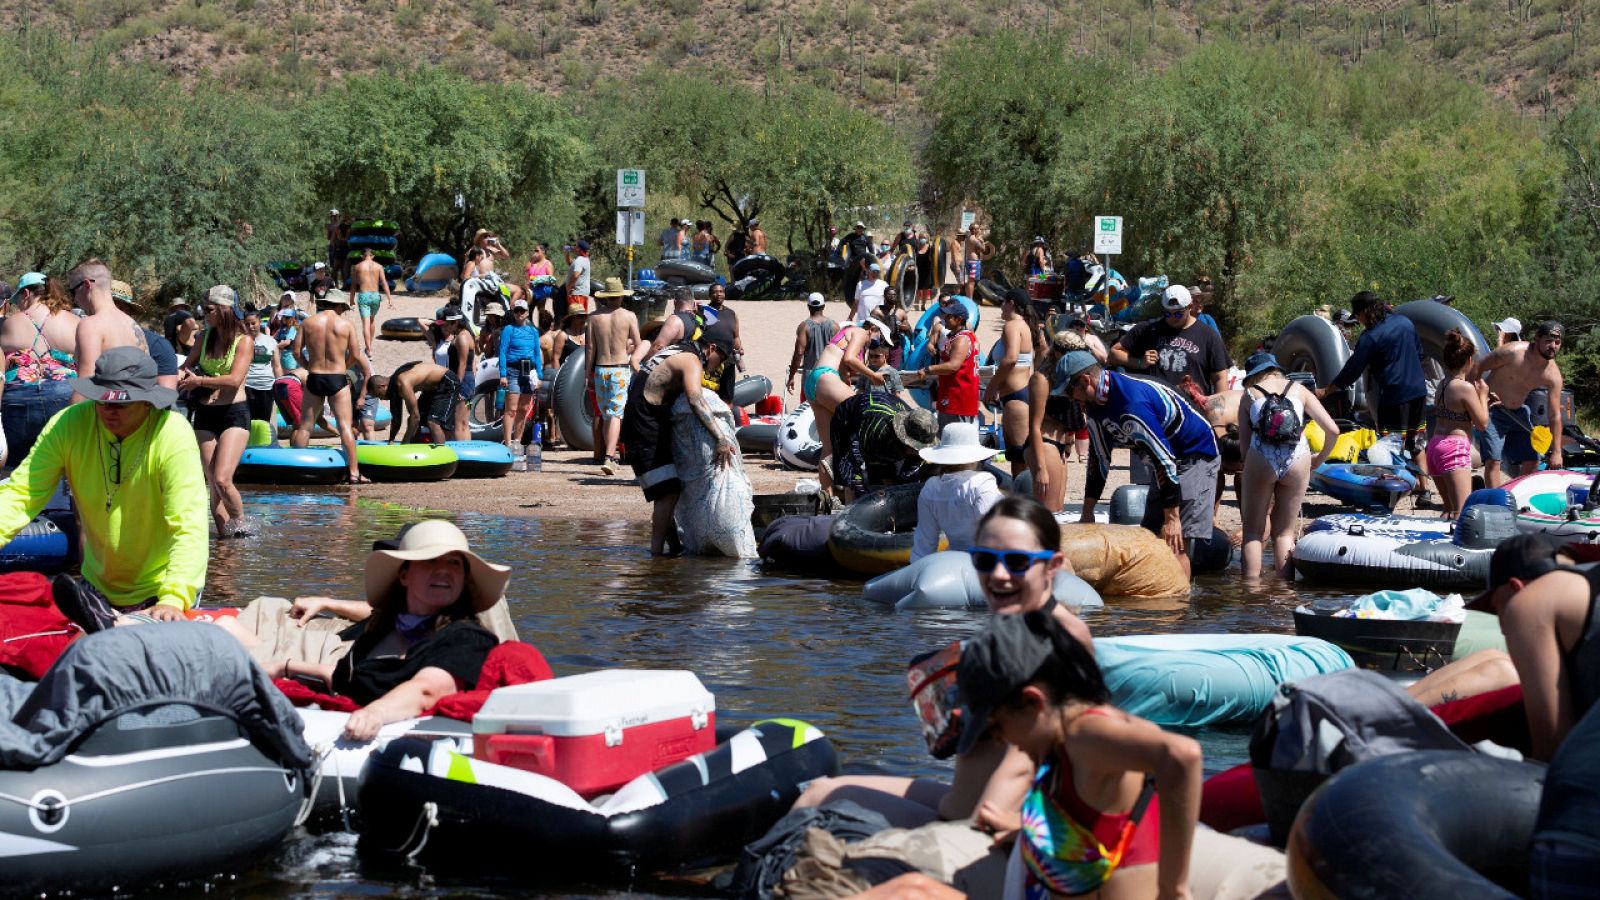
{"x":572,"y":486}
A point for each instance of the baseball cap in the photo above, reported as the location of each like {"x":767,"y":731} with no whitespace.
{"x":875,"y":268}
{"x":28,"y":280}
{"x":816,"y":300}
{"x":520,"y":304}
{"x":1003,"y":656}
{"x":1068,"y":367}
{"x":1550,"y":327}
{"x":719,"y":336}
{"x":1509,"y":325}
{"x":1176,"y":297}
{"x":859,"y":224}
{"x":1524,"y":557}
{"x":318,"y":266}
{"x":952,"y":307}
{"x":583,"y":246}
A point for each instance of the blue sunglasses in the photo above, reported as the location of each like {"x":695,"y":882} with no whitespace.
{"x":1017,"y":562}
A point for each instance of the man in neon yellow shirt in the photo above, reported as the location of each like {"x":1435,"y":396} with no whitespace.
{"x":134,"y":471}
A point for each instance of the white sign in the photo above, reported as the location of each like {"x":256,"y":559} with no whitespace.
{"x":630,"y":227}
{"x":967,"y":218}
{"x":630,"y":188}
{"x":1108,"y":235}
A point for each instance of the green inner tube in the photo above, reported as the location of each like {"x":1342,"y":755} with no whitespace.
{"x":406,"y":462}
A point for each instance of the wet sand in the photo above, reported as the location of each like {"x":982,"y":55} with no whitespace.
{"x":572,"y":486}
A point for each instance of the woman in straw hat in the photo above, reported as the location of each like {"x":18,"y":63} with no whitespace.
{"x":425,"y":634}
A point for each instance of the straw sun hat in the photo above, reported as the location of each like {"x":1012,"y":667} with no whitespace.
{"x":431,"y":539}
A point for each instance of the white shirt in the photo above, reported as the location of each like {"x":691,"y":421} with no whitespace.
{"x":869,"y":296}
{"x":580,"y":272}
{"x":952,"y":504}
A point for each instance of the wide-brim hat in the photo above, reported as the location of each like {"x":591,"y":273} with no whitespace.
{"x":958,"y":444}
{"x":883,"y":328}
{"x":494,"y":309}
{"x":614,"y":288}
{"x":122,"y":292}
{"x":431,"y":539}
{"x":124,"y":375}
{"x":917,"y":428}
{"x":336,"y":297}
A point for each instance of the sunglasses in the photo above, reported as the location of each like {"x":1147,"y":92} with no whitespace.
{"x":73,"y":287}
{"x":1173,"y":313}
{"x":1017,"y":562}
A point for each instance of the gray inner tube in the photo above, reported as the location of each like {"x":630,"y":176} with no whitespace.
{"x":1434,"y":320}
{"x":881,"y":521}
{"x":757,"y":437}
{"x":571,"y":404}
{"x":752,"y":390}
{"x":1435,"y":825}
{"x":685,"y":271}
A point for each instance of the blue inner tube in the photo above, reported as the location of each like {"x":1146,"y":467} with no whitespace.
{"x":43,"y":545}
{"x":700,"y":811}
{"x":434,"y":272}
{"x":481,"y":459}
{"x":1434,"y":825}
{"x":288,"y":465}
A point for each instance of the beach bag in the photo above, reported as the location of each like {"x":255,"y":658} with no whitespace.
{"x":931,"y":682}
{"x":1275,"y":420}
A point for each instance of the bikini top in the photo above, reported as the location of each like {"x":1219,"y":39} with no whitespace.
{"x":29,"y":366}
{"x":1440,"y":411}
{"x":1061,"y":854}
{"x":1024,"y":360}
{"x":217,"y":366}
{"x":842,"y":340}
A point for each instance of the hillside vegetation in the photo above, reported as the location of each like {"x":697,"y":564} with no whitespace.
{"x":878,"y":53}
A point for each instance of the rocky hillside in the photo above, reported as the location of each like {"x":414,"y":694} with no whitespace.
{"x":1534,"y":52}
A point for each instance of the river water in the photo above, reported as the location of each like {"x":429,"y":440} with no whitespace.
{"x":588,"y":595}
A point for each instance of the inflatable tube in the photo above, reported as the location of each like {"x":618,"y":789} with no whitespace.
{"x":760,"y":436}
{"x":405,"y":462}
{"x":363,"y":227}
{"x":1384,"y":552}
{"x":570,"y":399}
{"x":339,"y":771}
{"x":1543,"y":504}
{"x":42,"y":545}
{"x":873,"y":535}
{"x":385,"y":241}
{"x":685,"y":271}
{"x":798,"y":542}
{"x":1208,"y":679}
{"x":990,"y":293}
{"x":409,"y":328}
{"x":480,"y":459}
{"x":1363,"y":485}
{"x":434,"y":273}
{"x":696,"y":812}
{"x":752,"y":390}
{"x":798,"y":445}
{"x":1434,"y":320}
{"x":139,"y":801}
{"x":947,"y":580}
{"x":1211,"y":554}
{"x":289,"y":465}
{"x":1434,"y":825}
{"x":903,"y":276}
{"x":1123,"y":561}
{"x":756,"y":265}
{"x":1314,"y":344}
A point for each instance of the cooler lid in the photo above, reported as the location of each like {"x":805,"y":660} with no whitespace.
{"x":591,"y":703}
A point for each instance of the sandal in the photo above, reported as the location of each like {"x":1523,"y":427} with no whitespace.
{"x":357,"y":479}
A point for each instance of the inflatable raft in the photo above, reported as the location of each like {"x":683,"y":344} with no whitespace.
{"x":873,"y":535}
{"x":1433,"y":825}
{"x":290,"y":465}
{"x":434,"y":273}
{"x":760,"y":436}
{"x":407,"y":328}
{"x":426,"y":797}
{"x":405,"y":462}
{"x":1401,"y":551}
{"x":1545,"y":502}
{"x":797,"y":444}
{"x":947,"y":580}
{"x":47,"y":545}
{"x":1208,"y":679}
{"x":685,"y":271}
{"x":1363,"y":485}
{"x":480,"y":459}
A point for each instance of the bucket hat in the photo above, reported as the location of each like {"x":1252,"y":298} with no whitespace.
{"x":494,"y":308}
{"x":917,"y":429}
{"x":614,"y":288}
{"x":958,"y":444}
{"x":124,"y":375}
{"x":336,"y":297}
{"x":1259,"y":363}
{"x":431,"y":539}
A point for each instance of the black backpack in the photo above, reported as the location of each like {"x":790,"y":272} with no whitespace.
{"x":1275,"y":419}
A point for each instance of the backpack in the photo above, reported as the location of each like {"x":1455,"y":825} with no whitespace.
{"x":1275,"y":419}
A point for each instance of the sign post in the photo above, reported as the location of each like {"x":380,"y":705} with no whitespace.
{"x":1107,"y":243}
{"x":630,"y":203}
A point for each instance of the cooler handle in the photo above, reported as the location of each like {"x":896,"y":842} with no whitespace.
{"x":529,"y":752}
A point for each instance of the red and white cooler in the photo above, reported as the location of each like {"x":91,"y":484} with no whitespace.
{"x":597,"y":731}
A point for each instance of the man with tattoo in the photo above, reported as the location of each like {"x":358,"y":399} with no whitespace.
{"x":647,"y":423}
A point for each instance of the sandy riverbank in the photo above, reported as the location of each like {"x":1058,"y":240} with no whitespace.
{"x":571,"y":486}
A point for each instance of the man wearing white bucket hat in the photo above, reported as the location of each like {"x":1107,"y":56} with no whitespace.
{"x":952,"y":502}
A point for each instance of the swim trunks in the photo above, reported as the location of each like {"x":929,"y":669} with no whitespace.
{"x":1509,"y":437}
{"x":611,"y":389}
{"x":441,"y":402}
{"x":808,"y":388}
{"x":1448,"y":453}
{"x":326,"y":386}
{"x":368,"y":303}
{"x":974,"y":267}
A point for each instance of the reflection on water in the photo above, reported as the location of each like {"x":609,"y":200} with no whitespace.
{"x":589,"y":595}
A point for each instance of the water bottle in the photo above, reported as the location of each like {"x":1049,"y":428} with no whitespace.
{"x":536,"y":449}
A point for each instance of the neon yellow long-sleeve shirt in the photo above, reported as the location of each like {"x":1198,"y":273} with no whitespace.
{"x":145,"y":537}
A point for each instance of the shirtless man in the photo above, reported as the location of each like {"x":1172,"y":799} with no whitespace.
{"x":758,"y":238}
{"x":680,"y":326}
{"x":648,"y":423}
{"x":612,"y":339}
{"x":330,"y":348}
{"x":105,"y":326}
{"x":974,"y":251}
{"x":368,"y":280}
{"x":1512,"y":371}
{"x":428,"y":392}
